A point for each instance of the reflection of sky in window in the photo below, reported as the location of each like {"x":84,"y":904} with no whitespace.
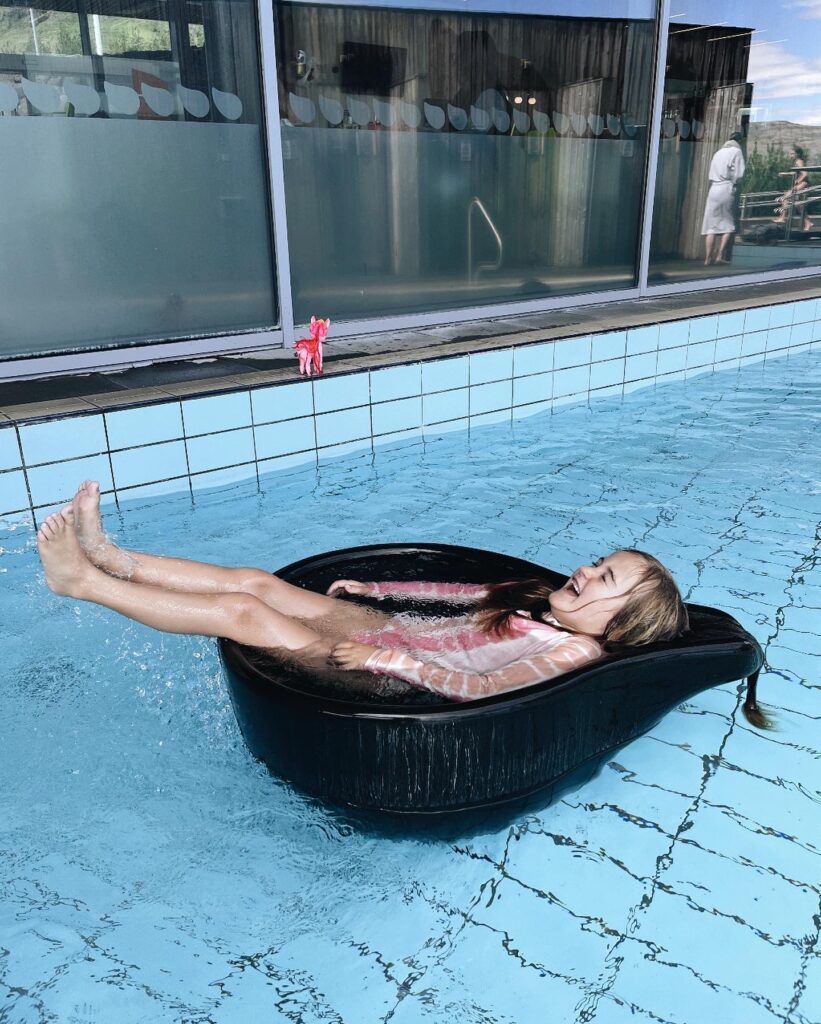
{"x":785,"y":68}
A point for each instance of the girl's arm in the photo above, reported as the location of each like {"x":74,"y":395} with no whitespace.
{"x":452,"y":593}
{"x":570,"y":654}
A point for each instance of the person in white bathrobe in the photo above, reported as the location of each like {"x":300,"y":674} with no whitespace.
{"x":718,"y":226}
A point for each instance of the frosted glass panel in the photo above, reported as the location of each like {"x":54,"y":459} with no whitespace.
{"x":133,"y":199}
{"x":436,"y":160}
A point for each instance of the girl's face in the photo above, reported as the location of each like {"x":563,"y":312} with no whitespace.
{"x":594,"y":593}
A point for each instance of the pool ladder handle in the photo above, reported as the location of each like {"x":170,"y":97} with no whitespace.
{"x":473,"y":274}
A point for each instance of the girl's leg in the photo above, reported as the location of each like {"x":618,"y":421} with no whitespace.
{"x":180,"y":574}
{"x":240,"y":617}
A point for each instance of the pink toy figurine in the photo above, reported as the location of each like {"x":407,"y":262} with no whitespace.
{"x":309,"y":350}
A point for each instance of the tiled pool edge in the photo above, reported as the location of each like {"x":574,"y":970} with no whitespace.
{"x":192,"y":443}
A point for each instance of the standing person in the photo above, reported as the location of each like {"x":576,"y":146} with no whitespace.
{"x":793,"y":196}
{"x":718,"y":226}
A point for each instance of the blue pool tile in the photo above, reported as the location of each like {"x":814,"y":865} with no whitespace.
{"x":399,"y":438}
{"x":344,"y":392}
{"x":521,"y":412}
{"x":9,"y":449}
{"x":529,"y":359}
{"x":611,"y":345}
{"x":801,"y":333}
{"x":701,"y":354}
{"x":640,"y":366}
{"x":128,"y":428}
{"x":642,"y":339}
{"x":13,"y":494}
{"x":277,"y":439}
{"x":572,"y":352}
{"x":607,"y":374}
{"x":638,"y":385}
{"x":670,"y":360}
{"x":146,"y":465}
{"x":490,"y":366}
{"x":445,"y":374}
{"x":490,"y":397}
{"x":609,"y":392}
{"x":752,"y":344}
{"x":57,"y":440}
{"x":782,"y":314}
{"x":396,"y":382}
{"x":728,"y":348}
{"x":432,"y":430}
{"x":703,"y":328}
{"x":216,"y":451}
{"x":730,"y":324}
{"x":538,"y":387}
{"x":362,"y":445}
{"x":216,"y":413}
{"x":277,"y":465}
{"x":674,"y":334}
{"x":804,"y":311}
{"x":223,"y":477}
{"x":778,"y":337}
{"x":50,"y":484}
{"x":757,"y":319}
{"x":486,"y":418}
{"x":335,"y":428}
{"x":389,"y":417}
{"x":179,"y":485}
{"x":445,"y":405}
{"x":286,"y":402}
{"x":571,"y":382}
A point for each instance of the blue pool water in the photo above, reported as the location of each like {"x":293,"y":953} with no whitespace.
{"x":151,"y":871}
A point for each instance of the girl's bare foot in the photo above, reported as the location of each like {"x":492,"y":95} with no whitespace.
{"x":86,"y":508}
{"x":67,"y":568}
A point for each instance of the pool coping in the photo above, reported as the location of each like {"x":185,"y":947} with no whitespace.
{"x":425,"y":344}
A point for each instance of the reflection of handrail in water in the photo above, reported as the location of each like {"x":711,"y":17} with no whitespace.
{"x":474,"y":204}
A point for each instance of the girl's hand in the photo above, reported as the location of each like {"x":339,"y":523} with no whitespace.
{"x":347,"y":587}
{"x":349,"y":655}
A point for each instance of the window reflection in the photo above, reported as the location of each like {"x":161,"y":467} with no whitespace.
{"x":134,"y":175}
{"x":435,"y":160}
{"x":739,"y":173}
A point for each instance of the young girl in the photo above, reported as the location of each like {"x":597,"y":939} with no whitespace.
{"x":517,"y":633}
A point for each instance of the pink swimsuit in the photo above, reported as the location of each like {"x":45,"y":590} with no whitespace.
{"x":455,"y":658}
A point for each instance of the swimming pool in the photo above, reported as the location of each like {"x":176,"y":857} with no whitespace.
{"x":152,"y":871}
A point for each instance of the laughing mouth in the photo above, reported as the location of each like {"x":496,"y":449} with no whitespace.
{"x":574,"y":586}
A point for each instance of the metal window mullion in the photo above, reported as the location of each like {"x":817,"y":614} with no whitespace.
{"x":276,"y":170}
{"x":654,"y":128}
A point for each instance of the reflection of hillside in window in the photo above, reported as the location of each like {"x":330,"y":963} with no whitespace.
{"x":134,"y":37}
{"x":33,"y":31}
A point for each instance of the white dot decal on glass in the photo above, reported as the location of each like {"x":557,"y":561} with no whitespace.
{"x":44,"y":98}
{"x":302,"y":108}
{"x":434,"y":115}
{"x":121,"y":99}
{"x":668,"y":127}
{"x":521,"y":121}
{"x":8,"y":98}
{"x":541,"y":121}
{"x":457,"y":117}
{"x":561,"y":121}
{"x":195,"y":102}
{"x":384,"y":113}
{"x":411,"y":114}
{"x":579,"y":123}
{"x":480,"y":119}
{"x":331,"y":109}
{"x":684,"y":129}
{"x":227,"y":103}
{"x":630,"y":126}
{"x":613,"y":124}
{"x":596,"y":122}
{"x":359,"y":110}
{"x":698,"y":129}
{"x":83,"y":98}
{"x":159,"y":100}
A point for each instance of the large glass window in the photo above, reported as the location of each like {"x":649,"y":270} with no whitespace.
{"x":437,"y":159}
{"x":133,"y":200}
{"x":738,"y":185}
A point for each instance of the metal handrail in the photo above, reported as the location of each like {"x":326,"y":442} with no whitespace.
{"x":477,"y":204}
